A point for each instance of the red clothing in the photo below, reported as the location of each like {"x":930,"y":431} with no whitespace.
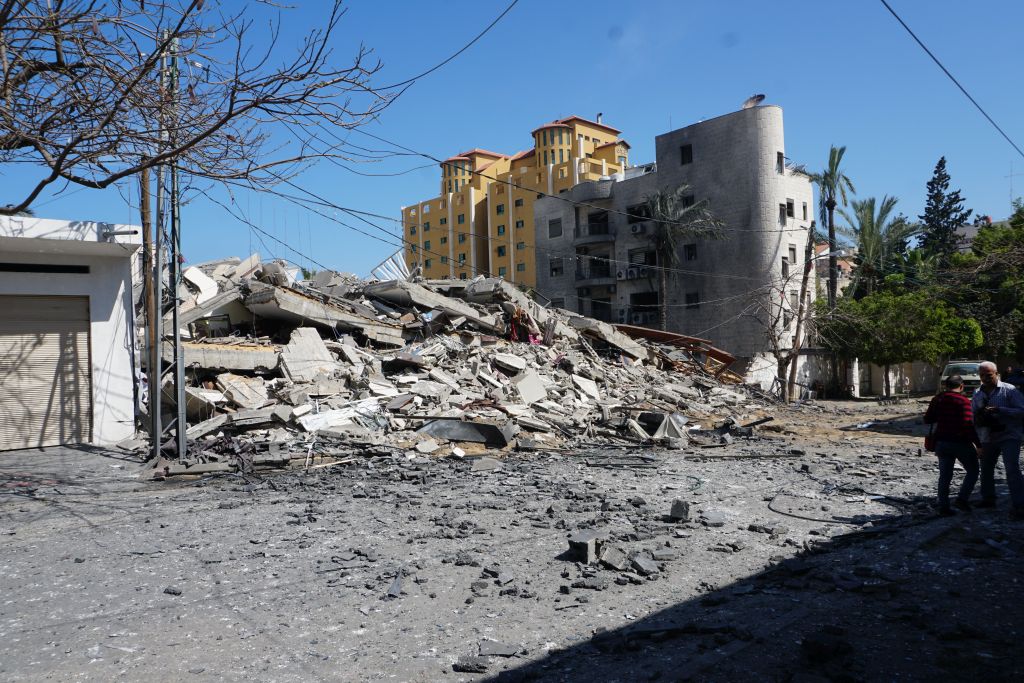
{"x":953,"y":418}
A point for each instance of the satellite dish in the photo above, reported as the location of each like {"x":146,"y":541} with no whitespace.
{"x":753,"y":101}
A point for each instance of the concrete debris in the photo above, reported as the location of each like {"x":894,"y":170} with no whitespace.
{"x":424,"y":367}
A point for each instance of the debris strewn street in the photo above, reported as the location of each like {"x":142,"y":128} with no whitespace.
{"x":616,"y":563}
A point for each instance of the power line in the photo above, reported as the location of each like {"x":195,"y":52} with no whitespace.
{"x":952,"y":78}
{"x":465,"y":47}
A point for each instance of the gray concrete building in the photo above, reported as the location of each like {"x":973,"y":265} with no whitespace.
{"x":596,"y":257}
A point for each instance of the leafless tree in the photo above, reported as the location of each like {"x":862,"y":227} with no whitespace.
{"x":93,"y":91}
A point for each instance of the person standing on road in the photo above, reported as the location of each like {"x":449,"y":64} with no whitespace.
{"x":998,"y":409}
{"x":956,"y":439}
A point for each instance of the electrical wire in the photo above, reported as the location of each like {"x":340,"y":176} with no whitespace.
{"x":951,"y":77}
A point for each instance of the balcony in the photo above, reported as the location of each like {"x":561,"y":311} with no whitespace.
{"x":590,"y":235}
{"x":599,"y":274}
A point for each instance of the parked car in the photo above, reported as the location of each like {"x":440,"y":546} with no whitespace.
{"x":967,"y":369}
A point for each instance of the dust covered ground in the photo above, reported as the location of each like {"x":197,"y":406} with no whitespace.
{"x":811,"y":552}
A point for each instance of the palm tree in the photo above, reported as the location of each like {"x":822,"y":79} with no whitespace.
{"x":833,"y":184}
{"x":676,"y":217}
{"x":881,"y":241}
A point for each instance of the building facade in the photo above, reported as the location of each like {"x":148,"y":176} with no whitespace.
{"x":482,"y":221}
{"x":67,"y":333}
{"x":597,"y":256}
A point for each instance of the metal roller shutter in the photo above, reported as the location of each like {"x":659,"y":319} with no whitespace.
{"x":45,"y":377}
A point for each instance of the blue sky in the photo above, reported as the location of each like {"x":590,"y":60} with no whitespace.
{"x":844,"y":73}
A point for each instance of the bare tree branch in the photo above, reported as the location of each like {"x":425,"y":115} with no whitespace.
{"x":93,"y":91}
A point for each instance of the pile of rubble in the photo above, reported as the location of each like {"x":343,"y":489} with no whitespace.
{"x":281,"y":369}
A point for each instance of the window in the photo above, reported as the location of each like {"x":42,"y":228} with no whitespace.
{"x":642,"y":257}
{"x":561,"y":173}
{"x":557,"y":267}
{"x":794,"y":300}
{"x":785,"y":267}
{"x":413,"y":248}
{"x":426,"y":208}
{"x":782,"y":214}
{"x":462,"y":218}
{"x":426,"y":226}
{"x":780,"y":162}
{"x":519,"y":224}
{"x":685,"y":155}
{"x":545,"y":157}
{"x":520,"y":267}
{"x":692,"y":300}
{"x":638,"y":213}
{"x":426,"y":245}
{"x":690,"y":252}
{"x":444,"y":259}
{"x":462,"y":276}
{"x":412,"y":229}
{"x":444,"y":240}
{"x":689,"y":200}
{"x":462,"y":258}
{"x":443,"y":221}
{"x":790,"y":209}
{"x":555,"y":228}
{"x":596,"y":142}
{"x":462,"y":237}
{"x":792,"y":254}
{"x":501,"y":209}
{"x":520,"y":246}
{"x":559,"y":136}
{"x":622,"y":162}
{"x":805,"y":210}
{"x":412,"y":212}
{"x":426,"y":264}
{"x":544,"y":136}
{"x":502,"y":270}
{"x":561,"y":159}
{"x":501,"y":250}
{"x":519,"y":202}
{"x":501,"y":229}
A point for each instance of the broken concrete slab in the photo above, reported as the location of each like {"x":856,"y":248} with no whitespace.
{"x":613,"y":558}
{"x":587,"y":386}
{"x":277,"y":303}
{"x":408,"y":294}
{"x":530,"y":386}
{"x":608,"y":334}
{"x":509,"y":361}
{"x":485,"y":464}
{"x":245,"y":392}
{"x":305,"y":357}
{"x":261,"y":358}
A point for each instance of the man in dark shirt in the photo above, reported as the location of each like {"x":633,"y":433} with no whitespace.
{"x":956,"y":438}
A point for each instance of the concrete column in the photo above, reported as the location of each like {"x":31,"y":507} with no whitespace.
{"x":472,"y":230}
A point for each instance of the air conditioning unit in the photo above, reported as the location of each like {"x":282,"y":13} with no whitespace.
{"x":638,"y":229}
{"x":650,"y":318}
{"x":623,"y":315}
{"x":643,"y":272}
{"x":638,"y":318}
{"x":620,"y":274}
{"x":631,"y":274}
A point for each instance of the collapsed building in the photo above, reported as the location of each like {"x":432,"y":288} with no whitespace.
{"x":279,"y":369}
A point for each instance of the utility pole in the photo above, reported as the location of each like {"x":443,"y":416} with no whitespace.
{"x":168,"y":203}
{"x":801,"y":312}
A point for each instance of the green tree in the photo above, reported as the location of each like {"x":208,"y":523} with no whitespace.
{"x":944,"y":212}
{"x":882,"y":242}
{"x":676,"y":217}
{"x":833,"y":185}
{"x":988,"y":283}
{"x":893,"y":326}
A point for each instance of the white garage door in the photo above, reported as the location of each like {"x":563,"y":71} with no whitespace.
{"x":45,"y":387}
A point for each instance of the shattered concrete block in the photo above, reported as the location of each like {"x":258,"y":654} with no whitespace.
{"x":428,"y":446}
{"x":206,"y":427}
{"x":586,"y":544}
{"x":644,"y":565}
{"x":714,"y":518}
{"x":510,"y":362}
{"x":305,"y":356}
{"x":471,"y":665}
{"x":492,"y":648}
{"x":530,"y":386}
{"x":441,"y":376}
{"x":245,"y":392}
{"x":485,"y":464}
{"x":587,"y":386}
{"x":680,"y":510}
{"x":613,"y":558}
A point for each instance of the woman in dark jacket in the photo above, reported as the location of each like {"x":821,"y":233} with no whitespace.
{"x":956,"y":439}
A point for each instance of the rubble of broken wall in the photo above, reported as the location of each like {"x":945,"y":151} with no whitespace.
{"x":280,"y":369}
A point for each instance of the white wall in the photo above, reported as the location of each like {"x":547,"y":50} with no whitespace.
{"x":108,"y":286}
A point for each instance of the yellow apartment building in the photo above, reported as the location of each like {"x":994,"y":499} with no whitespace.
{"x":482,"y":222}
